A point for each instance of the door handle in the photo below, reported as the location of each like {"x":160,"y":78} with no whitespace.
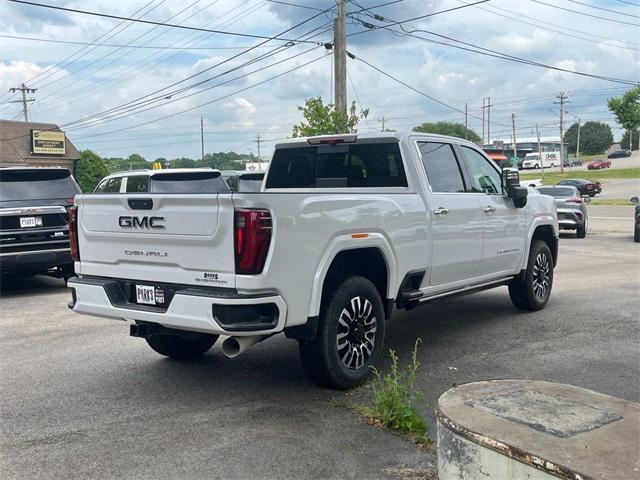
{"x":489,"y":209}
{"x":441,"y":211}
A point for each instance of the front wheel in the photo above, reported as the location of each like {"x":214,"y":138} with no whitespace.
{"x":183,"y":346}
{"x":532,"y":292}
{"x":350,"y":335}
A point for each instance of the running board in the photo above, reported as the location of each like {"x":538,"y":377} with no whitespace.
{"x":463,"y":291}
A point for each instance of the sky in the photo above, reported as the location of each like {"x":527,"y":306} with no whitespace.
{"x":121,"y":87}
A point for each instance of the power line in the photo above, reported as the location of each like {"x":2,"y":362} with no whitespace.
{"x":140,"y":101}
{"x":93,"y":62}
{"x":604,"y":9}
{"x":544,"y":25}
{"x":116,"y":45}
{"x":121,"y":115}
{"x":490,"y":53}
{"x":210,"y":101}
{"x":108,"y":34}
{"x":294,"y":5}
{"x":585,"y":14}
{"x":414,"y":89}
{"x":138,"y":108}
{"x":141,"y":69}
{"x":420,"y":17}
{"x":151,"y":22}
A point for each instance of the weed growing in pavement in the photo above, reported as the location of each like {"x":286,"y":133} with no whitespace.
{"x":396,"y":398}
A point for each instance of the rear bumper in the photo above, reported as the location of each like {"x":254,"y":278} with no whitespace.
{"x":191,"y":308}
{"x":570,"y":219}
{"x":34,"y":261}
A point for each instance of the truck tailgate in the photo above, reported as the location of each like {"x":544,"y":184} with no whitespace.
{"x":181,"y":239}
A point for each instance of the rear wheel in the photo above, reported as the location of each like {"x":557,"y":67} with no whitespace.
{"x":581,"y":231}
{"x":187,"y":345}
{"x":532,"y":292}
{"x":350,"y":335}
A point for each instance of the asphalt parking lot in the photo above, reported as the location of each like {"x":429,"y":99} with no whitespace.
{"x":80,"y":399}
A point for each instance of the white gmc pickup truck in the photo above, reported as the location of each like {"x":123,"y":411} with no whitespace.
{"x":344,"y":228}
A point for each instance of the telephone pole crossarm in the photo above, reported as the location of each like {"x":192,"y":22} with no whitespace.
{"x":24,"y":89}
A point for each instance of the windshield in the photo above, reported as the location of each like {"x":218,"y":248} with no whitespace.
{"x":558,"y":192}
{"x":189,"y":182}
{"x":36,"y":184}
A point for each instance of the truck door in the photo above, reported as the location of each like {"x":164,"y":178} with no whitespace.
{"x":456,"y":216}
{"x":504,"y":225}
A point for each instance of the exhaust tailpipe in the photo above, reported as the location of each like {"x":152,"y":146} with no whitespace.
{"x":234,"y":346}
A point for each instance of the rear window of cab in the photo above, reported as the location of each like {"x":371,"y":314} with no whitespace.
{"x":337,"y":166}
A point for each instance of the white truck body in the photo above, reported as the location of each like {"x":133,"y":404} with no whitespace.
{"x":541,"y":160}
{"x":481,"y":240}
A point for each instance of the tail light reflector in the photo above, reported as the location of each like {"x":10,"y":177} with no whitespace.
{"x":73,"y":233}
{"x":252,"y":233}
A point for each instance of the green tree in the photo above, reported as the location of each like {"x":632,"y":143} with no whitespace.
{"x":624,"y":143}
{"x":448,"y":128}
{"x":137,"y":162}
{"x":595,"y":138}
{"x":323,"y":119}
{"x":626,"y":109}
{"x":89,"y":169}
{"x":571,"y":138}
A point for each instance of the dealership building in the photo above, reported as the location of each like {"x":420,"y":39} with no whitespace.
{"x":35,"y":144}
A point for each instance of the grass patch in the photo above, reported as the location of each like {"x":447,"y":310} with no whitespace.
{"x":397,"y":399}
{"x":610,"y":201}
{"x":593,"y":175}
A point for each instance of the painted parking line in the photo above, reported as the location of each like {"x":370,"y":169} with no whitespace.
{"x":611,"y":218}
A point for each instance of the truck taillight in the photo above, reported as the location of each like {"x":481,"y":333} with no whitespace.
{"x":252,"y":232}
{"x":73,"y":233}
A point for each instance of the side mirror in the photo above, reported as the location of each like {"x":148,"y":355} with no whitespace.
{"x":634,"y":200}
{"x":586,"y":198}
{"x":512,"y":188}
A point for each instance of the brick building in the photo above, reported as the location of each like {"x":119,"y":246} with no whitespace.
{"x":35,"y":144}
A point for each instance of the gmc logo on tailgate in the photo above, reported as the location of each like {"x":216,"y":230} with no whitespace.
{"x":141,"y":222}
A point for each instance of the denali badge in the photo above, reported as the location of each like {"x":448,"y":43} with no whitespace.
{"x":145,"y":253}
{"x":141,"y":222}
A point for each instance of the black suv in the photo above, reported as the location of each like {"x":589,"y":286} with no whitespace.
{"x":34,"y":235}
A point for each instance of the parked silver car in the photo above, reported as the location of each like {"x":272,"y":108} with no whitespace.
{"x":571,"y":208}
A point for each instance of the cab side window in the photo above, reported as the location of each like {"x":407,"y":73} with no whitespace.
{"x":443,"y":171}
{"x":112,"y":185}
{"x":137,"y":184}
{"x":484,"y":177}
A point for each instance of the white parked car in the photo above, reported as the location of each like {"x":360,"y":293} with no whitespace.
{"x":344,"y":229}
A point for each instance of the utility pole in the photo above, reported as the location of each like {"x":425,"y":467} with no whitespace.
{"x":540,"y":152}
{"x":465,"y":121}
{"x":483,"y":107}
{"x":513,"y":125}
{"x":340,"y":59}
{"x":562,"y":96}
{"x":24,"y":89}
{"x":202,"y":136}
{"x":489,"y":120}
{"x":259,"y":140}
{"x":382,"y":120}
{"x":577,"y":144}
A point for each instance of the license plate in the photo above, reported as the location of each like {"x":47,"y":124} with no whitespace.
{"x":26,"y":222}
{"x":146,"y":294}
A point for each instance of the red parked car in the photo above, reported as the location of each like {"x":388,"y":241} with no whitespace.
{"x":598,"y":164}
